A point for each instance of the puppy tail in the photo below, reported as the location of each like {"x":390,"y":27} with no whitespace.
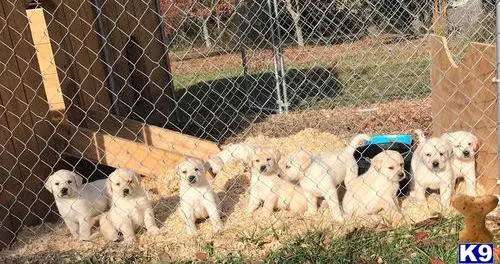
{"x":421,"y":136}
{"x":357,"y":141}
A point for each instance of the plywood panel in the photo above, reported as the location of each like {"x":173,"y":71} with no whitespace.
{"x":463,"y":98}
{"x":24,"y":109}
{"x":172,"y":141}
{"x":117,"y":152}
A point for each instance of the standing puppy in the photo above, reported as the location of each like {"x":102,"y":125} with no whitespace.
{"x":463,"y":161}
{"x":241,"y":152}
{"x":431,"y":167}
{"x":198,"y":200}
{"x":130,"y":208}
{"x":77,"y":204}
{"x":319,"y":176}
{"x":377,"y":189}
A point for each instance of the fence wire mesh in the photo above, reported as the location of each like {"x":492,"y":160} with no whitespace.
{"x":255,"y":114}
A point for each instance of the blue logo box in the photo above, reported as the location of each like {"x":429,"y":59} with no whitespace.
{"x":475,"y":254}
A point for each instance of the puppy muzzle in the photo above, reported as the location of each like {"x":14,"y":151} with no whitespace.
{"x":401,"y":175}
{"x":64,"y":191}
{"x":467,"y":154}
{"x":192,"y":179}
{"x":435,"y":165}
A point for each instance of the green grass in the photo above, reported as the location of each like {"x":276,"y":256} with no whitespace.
{"x":377,"y":76}
{"x":365,"y":246}
{"x":323,"y":246}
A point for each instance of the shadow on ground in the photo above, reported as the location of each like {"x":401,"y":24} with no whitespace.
{"x":221,"y":108}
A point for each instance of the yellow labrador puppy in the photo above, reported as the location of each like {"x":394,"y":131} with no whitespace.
{"x":319,"y":176}
{"x":463,"y":161}
{"x":431,"y":167}
{"x":267,"y":186}
{"x":240,"y":152}
{"x":130,"y":208}
{"x":77,"y":203}
{"x":377,"y":189}
{"x":197,"y":199}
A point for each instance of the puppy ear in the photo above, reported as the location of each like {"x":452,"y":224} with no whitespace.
{"x":276,"y":154}
{"x":48,"y":183}
{"x":78,"y":180}
{"x":303,"y":160}
{"x":109,"y":186}
{"x":376,"y":162}
{"x":475,"y":142}
{"x":137,"y":177}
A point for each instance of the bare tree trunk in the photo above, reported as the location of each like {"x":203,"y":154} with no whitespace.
{"x":206,"y":33}
{"x":296,"y":20}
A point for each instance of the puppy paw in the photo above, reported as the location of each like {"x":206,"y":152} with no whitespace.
{"x":218,"y":228}
{"x":154,"y":231}
{"x":338,"y":219}
{"x":129,"y":241}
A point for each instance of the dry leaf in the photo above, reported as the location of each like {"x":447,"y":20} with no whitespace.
{"x":421,"y":237}
{"x":383,"y":228}
{"x":436,"y":261}
{"x":201,"y":256}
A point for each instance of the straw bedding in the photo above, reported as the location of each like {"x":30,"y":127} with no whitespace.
{"x":52,"y":242}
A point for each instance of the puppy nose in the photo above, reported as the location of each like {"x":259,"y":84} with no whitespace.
{"x":126,"y":191}
{"x":435,"y":164}
{"x":262,"y":168}
{"x":401,"y":174}
{"x":192,"y":179}
{"x":64,"y":190}
{"x":466,"y":153}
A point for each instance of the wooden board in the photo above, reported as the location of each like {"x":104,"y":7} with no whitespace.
{"x":169,"y":140}
{"x":46,"y":60}
{"x":464,"y":98}
{"x":115,"y":151}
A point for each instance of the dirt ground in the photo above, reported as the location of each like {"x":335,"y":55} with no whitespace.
{"x":313,"y":131}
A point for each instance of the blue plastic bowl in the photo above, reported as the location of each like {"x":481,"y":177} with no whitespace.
{"x":381,"y":139}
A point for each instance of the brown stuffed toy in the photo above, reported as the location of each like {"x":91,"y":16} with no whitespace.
{"x":474,"y":210}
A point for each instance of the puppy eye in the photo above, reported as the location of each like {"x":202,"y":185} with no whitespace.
{"x":117,"y":184}
{"x":458,"y":146}
{"x":129,"y":182}
{"x":401,"y":164}
{"x":268,"y":159}
{"x":470,"y":143}
{"x":441,"y":153}
{"x":69,"y":182}
{"x":57,"y":183}
{"x":257,"y":160}
{"x":428,"y":154}
{"x":287,"y":166}
{"x":184,"y":171}
{"x":391,"y":168}
{"x":197,"y":170}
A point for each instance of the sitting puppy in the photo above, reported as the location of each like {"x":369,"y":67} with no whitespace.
{"x":463,"y":161}
{"x":431,"y":167}
{"x":198,"y":200}
{"x":236,"y":152}
{"x":130,"y":208}
{"x":266,"y":185}
{"x":78,"y":204}
{"x":377,"y":189}
{"x":319,"y":176}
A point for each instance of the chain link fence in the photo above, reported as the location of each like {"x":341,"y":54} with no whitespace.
{"x":96,"y":85}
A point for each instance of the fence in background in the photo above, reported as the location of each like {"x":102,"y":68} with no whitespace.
{"x":140,"y":84}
